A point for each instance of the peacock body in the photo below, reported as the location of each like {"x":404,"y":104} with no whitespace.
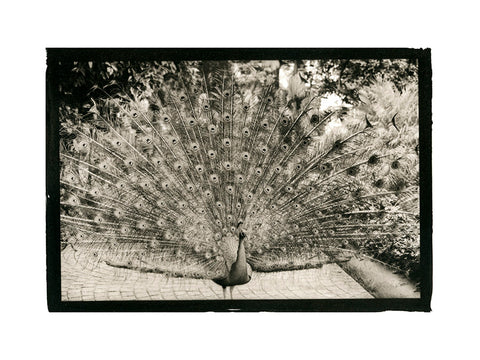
{"x":206,"y":174}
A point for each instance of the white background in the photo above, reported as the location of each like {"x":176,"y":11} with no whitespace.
{"x":449,"y":28}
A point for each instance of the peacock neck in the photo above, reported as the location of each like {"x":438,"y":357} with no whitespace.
{"x":241,"y":256}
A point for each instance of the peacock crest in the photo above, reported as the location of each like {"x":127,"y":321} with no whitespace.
{"x":158,"y":180}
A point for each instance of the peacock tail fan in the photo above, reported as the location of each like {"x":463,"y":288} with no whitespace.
{"x":158,"y":180}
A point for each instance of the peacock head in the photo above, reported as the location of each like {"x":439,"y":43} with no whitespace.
{"x":241,"y":233}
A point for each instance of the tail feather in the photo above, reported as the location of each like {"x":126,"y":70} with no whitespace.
{"x":157,"y":181}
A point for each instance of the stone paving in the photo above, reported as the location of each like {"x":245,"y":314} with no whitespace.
{"x":103,"y":282}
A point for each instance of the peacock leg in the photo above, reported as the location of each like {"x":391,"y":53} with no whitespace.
{"x":224,"y":292}
{"x":231,"y":291}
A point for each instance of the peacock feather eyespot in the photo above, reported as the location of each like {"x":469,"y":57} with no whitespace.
{"x":212,"y":128}
{"x":250,"y":196}
{"x":227,"y":117}
{"x":166,"y":118}
{"x":353,"y":171}
{"x":306,"y":140}
{"x":269,"y":99}
{"x":337,"y":145}
{"x":246,"y":156}
{"x":326,"y":167}
{"x":211,"y":154}
{"x":182,"y":97}
{"x":226,"y":142}
{"x":268,"y":189}
{"x":174,"y":141}
{"x":238,"y":206}
{"x":218,"y":236}
{"x":142,"y":225}
{"x":263,"y":149}
{"x":278,"y":169}
{"x":191,"y":122}
{"x":258,"y":171}
{"x":103,"y":165}
{"x":219,"y":204}
{"x":288,"y":188}
{"x":226,"y":93}
{"x":208,"y":194}
{"x":118,"y":213}
{"x":284,"y":147}
{"x":214,"y":178}
{"x":227,"y":165}
{"x":314,"y":119}
{"x":98,"y":219}
{"x":206,"y":107}
{"x":246,"y":131}
{"x":182,"y":204}
{"x":165,"y":185}
{"x":218,"y":222}
{"x":395,"y":164}
{"x":194,"y":146}
{"x":94,"y":191}
{"x":197,"y":248}
{"x":73,"y":200}
{"x":129,"y":162}
{"x":373,"y":160}
{"x":229,"y":189}
{"x":95,"y":254}
{"x":140,"y":204}
{"x":245,"y":107}
{"x":178,"y":166}
{"x":379,"y":183}
{"x":265,"y":124}
{"x":199,"y":168}
{"x":290,"y":237}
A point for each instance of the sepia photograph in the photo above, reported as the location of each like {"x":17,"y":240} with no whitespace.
{"x":253,"y":179}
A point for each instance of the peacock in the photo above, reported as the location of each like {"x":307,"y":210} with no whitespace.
{"x":212,"y":172}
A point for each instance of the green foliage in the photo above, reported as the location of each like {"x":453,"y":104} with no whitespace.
{"x":79,"y":81}
{"x":345,"y":77}
{"x":394,"y":115}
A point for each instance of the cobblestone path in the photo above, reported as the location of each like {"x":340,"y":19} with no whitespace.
{"x":103,"y":282}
